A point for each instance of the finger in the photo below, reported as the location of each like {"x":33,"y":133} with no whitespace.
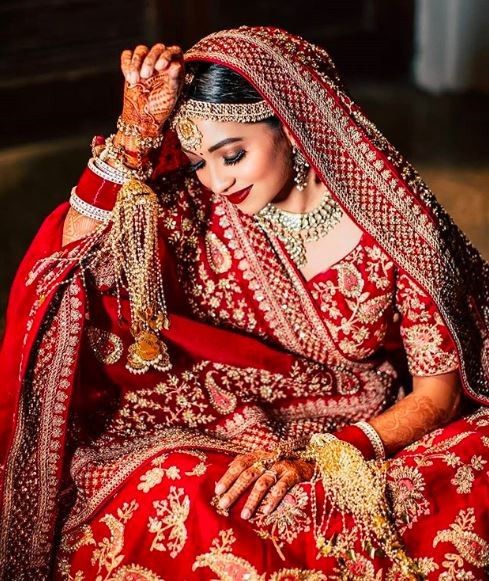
{"x":170,"y":54}
{"x":126,"y":57}
{"x":150,"y":60}
{"x":175,"y":75}
{"x":277,"y":493}
{"x":236,"y":467}
{"x":137,"y":58}
{"x":244,"y":480}
{"x":260,"y":489}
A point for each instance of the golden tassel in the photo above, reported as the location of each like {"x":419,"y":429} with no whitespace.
{"x":133,"y":245}
{"x":356,"y":488}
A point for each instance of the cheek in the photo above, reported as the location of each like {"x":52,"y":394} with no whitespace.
{"x":203,"y":177}
{"x":269,"y":166}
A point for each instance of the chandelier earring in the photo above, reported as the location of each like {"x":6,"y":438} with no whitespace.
{"x":300,"y":168}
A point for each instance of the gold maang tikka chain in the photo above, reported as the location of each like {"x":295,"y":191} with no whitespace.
{"x":295,"y":229}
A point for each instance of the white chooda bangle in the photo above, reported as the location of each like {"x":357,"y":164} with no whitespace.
{"x":375,"y":440}
{"x":86,"y":209}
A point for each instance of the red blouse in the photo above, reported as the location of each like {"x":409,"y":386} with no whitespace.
{"x":364,"y":294}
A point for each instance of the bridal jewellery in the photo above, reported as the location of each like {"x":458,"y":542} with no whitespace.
{"x":188,"y":133}
{"x":300,"y":169}
{"x":296,"y":229}
{"x":354,"y":493}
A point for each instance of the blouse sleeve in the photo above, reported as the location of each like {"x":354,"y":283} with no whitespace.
{"x":429,"y":347}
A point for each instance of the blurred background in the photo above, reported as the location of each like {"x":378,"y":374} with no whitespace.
{"x":419,"y":69}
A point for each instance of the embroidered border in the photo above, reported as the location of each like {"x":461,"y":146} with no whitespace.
{"x":33,"y":465}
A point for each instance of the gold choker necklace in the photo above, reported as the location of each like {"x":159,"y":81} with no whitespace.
{"x":296,"y":229}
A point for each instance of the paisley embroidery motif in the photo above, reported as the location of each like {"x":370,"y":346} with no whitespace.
{"x":471,"y":547}
{"x":349,"y":280}
{"x":407,"y":489}
{"x":218,"y":255}
{"x":221,"y":400}
{"x":227,"y":566}
{"x":135,"y":573}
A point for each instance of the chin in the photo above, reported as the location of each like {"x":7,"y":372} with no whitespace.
{"x":251,"y":207}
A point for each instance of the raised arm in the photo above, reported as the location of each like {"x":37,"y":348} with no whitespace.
{"x":153,"y":79}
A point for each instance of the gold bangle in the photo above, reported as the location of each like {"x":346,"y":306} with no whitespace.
{"x":145,"y":142}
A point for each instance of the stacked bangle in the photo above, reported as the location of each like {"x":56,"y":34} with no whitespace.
{"x":374,"y":438}
{"x":106,"y":172}
{"x":364,"y":439}
{"x":98,"y":186}
{"x":97,"y":189}
{"x":88,"y":210}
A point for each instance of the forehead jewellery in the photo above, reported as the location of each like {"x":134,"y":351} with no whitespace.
{"x":189,"y":134}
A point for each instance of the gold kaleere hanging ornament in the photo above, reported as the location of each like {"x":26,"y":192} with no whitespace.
{"x":133,"y":243}
{"x":356,"y":489}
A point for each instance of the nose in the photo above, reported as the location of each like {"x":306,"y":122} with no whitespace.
{"x":220,"y":180}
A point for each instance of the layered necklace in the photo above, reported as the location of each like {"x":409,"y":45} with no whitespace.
{"x":294,"y":229}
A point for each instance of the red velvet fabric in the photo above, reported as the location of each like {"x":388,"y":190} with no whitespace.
{"x":96,"y":191}
{"x":357,"y":437}
{"x":143,"y":451}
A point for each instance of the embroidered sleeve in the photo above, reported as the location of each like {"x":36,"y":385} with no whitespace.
{"x":429,"y":347}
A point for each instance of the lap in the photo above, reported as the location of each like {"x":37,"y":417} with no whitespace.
{"x":161,"y":524}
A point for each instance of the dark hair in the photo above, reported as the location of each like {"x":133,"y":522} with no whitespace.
{"x":213,"y":83}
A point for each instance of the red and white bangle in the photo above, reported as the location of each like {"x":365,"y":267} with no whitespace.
{"x":364,"y":439}
{"x":88,"y":210}
{"x":107,"y":172}
{"x":375,"y":439}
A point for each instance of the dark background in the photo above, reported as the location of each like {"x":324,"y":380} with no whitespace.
{"x":60,"y":84}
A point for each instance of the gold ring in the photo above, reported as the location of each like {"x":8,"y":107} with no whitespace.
{"x":272,"y":473}
{"x":259,"y":464}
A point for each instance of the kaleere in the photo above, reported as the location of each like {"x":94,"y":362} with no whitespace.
{"x":356,"y":489}
{"x":133,"y":243}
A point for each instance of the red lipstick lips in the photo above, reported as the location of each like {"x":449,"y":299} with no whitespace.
{"x":240,"y":196}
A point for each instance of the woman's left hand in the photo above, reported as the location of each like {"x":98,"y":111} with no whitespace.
{"x":270,"y":480}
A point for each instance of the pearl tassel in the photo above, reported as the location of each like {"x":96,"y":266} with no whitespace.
{"x":133,"y":244}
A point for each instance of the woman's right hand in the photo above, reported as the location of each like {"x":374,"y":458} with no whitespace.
{"x":154,"y":78}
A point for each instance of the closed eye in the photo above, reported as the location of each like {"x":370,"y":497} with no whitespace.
{"x":196,"y":166}
{"x":227,"y":161}
{"x":236,"y":158}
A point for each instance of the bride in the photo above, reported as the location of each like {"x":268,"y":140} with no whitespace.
{"x":252,"y":345}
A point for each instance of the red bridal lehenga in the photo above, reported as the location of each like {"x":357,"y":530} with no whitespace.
{"x":110,"y":466}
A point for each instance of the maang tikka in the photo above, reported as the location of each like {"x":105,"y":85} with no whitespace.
{"x":189,"y":134}
{"x":301,"y":168}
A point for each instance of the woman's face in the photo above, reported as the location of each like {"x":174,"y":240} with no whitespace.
{"x":249,"y":163}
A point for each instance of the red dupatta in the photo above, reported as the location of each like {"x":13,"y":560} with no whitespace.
{"x":371,"y":181}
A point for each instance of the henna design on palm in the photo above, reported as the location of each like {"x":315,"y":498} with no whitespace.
{"x":150,"y":100}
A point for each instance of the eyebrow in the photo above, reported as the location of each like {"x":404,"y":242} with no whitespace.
{"x":223,"y":143}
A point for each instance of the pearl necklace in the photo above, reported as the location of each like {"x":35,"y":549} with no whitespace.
{"x":295,"y":229}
